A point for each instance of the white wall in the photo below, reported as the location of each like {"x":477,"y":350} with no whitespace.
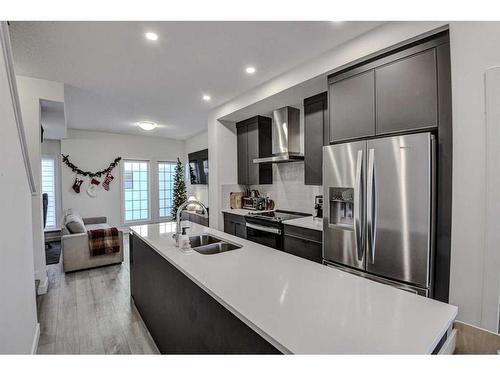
{"x":474,"y":48}
{"x":222,"y":161}
{"x":491,"y":279}
{"x":18,"y":320}
{"x":193,"y":144}
{"x":31,"y":90}
{"x":94,"y":151}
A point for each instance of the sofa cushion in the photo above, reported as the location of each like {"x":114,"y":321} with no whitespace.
{"x":74,"y":223}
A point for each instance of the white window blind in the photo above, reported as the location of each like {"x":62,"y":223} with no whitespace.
{"x":166,"y":171}
{"x":49,"y":187}
{"x":136,"y":190}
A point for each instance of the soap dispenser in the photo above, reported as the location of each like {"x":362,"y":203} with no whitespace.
{"x":184,"y":243}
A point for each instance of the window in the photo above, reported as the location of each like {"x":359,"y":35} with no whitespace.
{"x":49,"y":188}
{"x":166,"y":171}
{"x":136,"y":190}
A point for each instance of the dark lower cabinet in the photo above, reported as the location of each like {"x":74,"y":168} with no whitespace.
{"x":303,"y":242}
{"x":181,"y":317}
{"x":235,"y":225}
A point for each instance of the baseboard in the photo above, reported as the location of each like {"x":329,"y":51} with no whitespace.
{"x":43,"y":287}
{"x":34,"y":347}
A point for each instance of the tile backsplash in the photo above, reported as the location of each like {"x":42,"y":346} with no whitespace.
{"x":288,"y":190}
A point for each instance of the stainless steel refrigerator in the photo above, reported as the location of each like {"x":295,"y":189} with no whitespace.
{"x":379,"y":209}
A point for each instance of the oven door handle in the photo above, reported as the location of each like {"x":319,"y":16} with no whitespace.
{"x":263,"y":228}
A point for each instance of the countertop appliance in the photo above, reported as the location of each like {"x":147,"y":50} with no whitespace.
{"x":379,"y":209}
{"x":318,"y":206}
{"x":254,"y":203}
{"x":285,"y":137}
{"x":266,"y":228}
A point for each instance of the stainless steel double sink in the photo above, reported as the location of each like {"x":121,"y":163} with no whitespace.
{"x":206,"y":244}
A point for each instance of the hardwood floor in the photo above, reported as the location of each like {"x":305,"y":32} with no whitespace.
{"x":91,"y":312}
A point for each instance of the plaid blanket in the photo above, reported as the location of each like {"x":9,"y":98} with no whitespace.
{"x":103,"y":241}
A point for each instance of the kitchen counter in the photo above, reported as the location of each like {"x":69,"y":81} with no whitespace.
{"x":308,"y":222}
{"x":302,"y":307}
{"x":242,"y":211}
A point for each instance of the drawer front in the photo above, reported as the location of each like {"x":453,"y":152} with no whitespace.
{"x":304,"y":233}
{"x":303,"y":248}
{"x":235,"y":218}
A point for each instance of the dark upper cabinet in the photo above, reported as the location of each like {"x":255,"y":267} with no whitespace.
{"x":254,"y":141}
{"x":315,"y":135}
{"x":398,"y":91}
{"x":242,"y":141}
{"x":253,"y":153}
{"x":406,"y":94}
{"x":352,"y":107}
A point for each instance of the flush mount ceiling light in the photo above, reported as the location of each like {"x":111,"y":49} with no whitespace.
{"x":151,"y":36}
{"x":250,"y":70}
{"x":147,"y":125}
{"x":206,"y":98}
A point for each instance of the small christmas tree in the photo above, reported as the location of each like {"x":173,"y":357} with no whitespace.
{"x":180,"y":195}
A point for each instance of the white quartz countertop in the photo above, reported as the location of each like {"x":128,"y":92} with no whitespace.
{"x":308,"y":222}
{"x":304,"y":307}
{"x":242,"y":211}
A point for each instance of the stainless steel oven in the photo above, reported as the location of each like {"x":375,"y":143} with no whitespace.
{"x":266,"y":228}
{"x":267,"y":235}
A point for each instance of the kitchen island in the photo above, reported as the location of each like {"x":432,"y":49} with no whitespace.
{"x":258,"y":300}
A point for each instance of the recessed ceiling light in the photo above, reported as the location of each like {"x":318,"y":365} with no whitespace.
{"x":147,"y":125}
{"x":151,"y":36}
{"x":206,"y":98}
{"x":250,"y":70}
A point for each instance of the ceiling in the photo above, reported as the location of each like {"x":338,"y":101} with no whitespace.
{"x":115,"y":77}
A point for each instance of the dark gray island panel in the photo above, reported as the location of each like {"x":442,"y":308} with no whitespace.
{"x":181,"y":317}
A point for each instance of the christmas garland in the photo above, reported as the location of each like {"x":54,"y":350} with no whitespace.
{"x":74,"y":168}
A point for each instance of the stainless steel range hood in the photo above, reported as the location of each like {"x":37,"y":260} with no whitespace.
{"x":286,"y":137}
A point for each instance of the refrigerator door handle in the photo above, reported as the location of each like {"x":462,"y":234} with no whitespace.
{"x":357,"y":206}
{"x":371,"y":205}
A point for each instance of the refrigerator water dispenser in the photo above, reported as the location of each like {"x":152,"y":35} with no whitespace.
{"x":341,"y":207}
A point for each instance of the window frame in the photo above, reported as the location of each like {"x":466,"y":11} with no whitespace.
{"x":157,"y":174}
{"x":55,"y":160}
{"x":122,"y":191}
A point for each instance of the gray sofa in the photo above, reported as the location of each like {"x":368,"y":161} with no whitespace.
{"x":75,"y":243}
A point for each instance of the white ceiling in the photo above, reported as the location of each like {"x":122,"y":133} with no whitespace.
{"x":115,"y":77}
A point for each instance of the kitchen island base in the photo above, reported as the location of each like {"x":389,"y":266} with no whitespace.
{"x":181,"y":317}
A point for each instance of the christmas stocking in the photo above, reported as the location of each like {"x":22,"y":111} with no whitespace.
{"x":107,"y":181}
{"x":92,"y":189}
{"x":76,"y":185}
